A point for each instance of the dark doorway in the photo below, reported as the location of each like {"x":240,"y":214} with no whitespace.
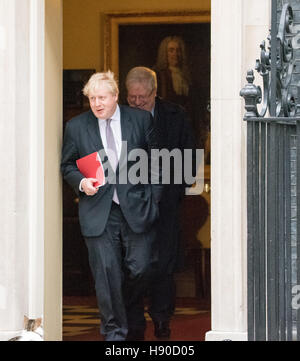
{"x":193,"y":278}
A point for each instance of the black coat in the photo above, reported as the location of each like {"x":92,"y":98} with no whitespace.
{"x":174,"y":131}
{"x":138,"y":202}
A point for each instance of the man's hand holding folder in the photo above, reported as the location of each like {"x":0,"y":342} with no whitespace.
{"x":91,"y":167}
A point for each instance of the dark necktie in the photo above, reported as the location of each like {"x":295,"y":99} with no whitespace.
{"x":112,"y":152}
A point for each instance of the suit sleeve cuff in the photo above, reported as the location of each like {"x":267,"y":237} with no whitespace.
{"x":80,"y":188}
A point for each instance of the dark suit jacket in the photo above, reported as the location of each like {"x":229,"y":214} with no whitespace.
{"x":138,"y":202}
{"x":174,"y":131}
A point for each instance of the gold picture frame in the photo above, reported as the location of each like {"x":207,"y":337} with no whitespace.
{"x":133,"y":38}
{"x":113,"y":21}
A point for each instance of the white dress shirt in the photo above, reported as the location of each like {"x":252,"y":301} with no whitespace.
{"x":116,"y":129}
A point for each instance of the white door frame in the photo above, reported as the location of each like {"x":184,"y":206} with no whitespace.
{"x":238,"y":28}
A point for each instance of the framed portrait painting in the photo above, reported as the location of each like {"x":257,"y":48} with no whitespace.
{"x":140,"y":39}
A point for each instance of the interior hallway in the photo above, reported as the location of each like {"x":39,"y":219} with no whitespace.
{"x":192,"y":317}
{"x":81,"y":321}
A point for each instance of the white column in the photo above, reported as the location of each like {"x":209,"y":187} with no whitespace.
{"x":53,"y":179}
{"x":36,"y":175}
{"x":238,"y":27}
{"x":21,"y":162}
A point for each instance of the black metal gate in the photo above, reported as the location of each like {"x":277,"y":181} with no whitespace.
{"x":273,"y":188}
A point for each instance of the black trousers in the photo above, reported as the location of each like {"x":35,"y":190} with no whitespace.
{"x":162,"y":288}
{"x":120,"y":262}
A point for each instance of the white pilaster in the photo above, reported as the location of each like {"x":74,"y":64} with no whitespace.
{"x":21,"y":162}
{"x":53,"y":179}
{"x":238,"y":27}
{"x":36,"y":175}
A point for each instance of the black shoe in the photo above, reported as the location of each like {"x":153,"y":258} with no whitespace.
{"x":162,"y":329}
{"x":135,"y":335}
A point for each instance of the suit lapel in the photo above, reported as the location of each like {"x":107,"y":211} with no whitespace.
{"x":95,"y":138}
{"x":126,"y":126}
{"x":160,"y":120}
{"x":126,"y":130}
{"x":94,"y":132}
{"x":96,"y":141}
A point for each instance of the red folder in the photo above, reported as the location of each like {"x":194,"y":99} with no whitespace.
{"x":91,"y":167}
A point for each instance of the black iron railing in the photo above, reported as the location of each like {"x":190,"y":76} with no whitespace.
{"x":273,"y":195}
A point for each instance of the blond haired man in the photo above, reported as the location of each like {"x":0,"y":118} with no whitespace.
{"x":117,"y":220}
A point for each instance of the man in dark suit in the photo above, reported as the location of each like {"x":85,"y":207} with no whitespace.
{"x":118,"y":219}
{"x":174,"y":132}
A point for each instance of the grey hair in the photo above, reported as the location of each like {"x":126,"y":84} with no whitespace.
{"x":99,"y":79}
{"x":162,"y":55}
{"x":142,"y":75}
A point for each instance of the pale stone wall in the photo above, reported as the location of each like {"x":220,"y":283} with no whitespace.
{"x":238,"y":27}
{"x":29,"y":165}
{"x":21,"y":159}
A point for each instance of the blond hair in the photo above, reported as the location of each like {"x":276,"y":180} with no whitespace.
{"x":98,"y":80}
{"x":142,"y":75}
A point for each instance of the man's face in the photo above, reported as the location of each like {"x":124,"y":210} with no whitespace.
{"x":103,"y":103}
{"x":174,"y":53}
{"x":139,"y":96}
